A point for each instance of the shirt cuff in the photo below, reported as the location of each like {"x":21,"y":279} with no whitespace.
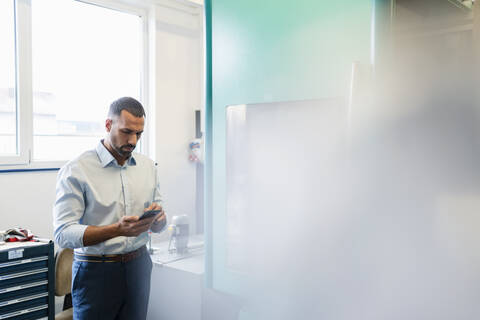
{"x":72,"y":236}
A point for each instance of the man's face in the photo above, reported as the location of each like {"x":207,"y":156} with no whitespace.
{"x":124,"y":132}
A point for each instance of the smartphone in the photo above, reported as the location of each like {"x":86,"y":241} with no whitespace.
{"x":149,"y":214}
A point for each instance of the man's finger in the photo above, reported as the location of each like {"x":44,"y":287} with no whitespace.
{"x":130,"y":218}
{"x":139,"y":228}
{"x":161,"y":216}
{"x":150,"y":207}
{"x":156,"y":206}
{"x":142,"y":227}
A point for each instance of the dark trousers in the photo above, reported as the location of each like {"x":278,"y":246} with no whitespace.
{"x":111,"y":290}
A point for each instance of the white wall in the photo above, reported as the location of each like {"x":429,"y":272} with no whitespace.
{"x":178,"y":86}
{"x":26,"y":198}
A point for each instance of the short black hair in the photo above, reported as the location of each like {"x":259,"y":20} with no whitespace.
{"x":126,"y":103}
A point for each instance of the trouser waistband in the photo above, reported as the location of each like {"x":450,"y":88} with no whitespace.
{"x":111,"y":257}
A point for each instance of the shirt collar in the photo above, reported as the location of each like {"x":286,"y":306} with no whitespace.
{"x":106,"y":157}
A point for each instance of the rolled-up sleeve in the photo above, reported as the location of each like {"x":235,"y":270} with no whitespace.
{"x":68,"y":210}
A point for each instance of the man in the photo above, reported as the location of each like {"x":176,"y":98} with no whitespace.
{"x":100,"y":196}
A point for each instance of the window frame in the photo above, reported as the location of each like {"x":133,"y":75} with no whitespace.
{"x":23,"y":85}
{"x":24,"y":161}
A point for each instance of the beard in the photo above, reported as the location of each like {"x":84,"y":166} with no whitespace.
{"x":125,"y":150}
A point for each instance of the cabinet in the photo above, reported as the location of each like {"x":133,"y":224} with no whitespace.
{"x":177,"y":281}
{"x":27,"y":281}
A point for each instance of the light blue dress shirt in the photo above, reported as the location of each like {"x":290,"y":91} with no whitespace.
{"x":94,"y":190}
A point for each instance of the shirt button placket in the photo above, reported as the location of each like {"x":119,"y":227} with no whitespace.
{"x":126,"y":195}
{"x":125,"y":191}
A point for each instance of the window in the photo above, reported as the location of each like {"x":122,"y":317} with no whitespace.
{"x":8,"y":107}
{"x":78,"y":58}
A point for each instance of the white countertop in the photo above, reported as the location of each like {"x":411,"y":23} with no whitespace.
{"x":193,"y":261}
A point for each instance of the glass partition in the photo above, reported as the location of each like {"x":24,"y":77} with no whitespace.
{"x":340,"y":213}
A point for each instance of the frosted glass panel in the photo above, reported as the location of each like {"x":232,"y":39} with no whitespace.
{"x":279,"y":156}
{"x":368,"y":214}
{"x":264,"y":51}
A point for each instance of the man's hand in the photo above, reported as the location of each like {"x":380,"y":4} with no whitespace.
{"x":132,"y":226}
{"x":160,"y":219}
{"x":128,"y":226}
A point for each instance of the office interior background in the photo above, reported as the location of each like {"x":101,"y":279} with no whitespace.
{"x":337,"y":169}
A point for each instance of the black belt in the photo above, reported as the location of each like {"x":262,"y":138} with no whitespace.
{"x":111,"y":257}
